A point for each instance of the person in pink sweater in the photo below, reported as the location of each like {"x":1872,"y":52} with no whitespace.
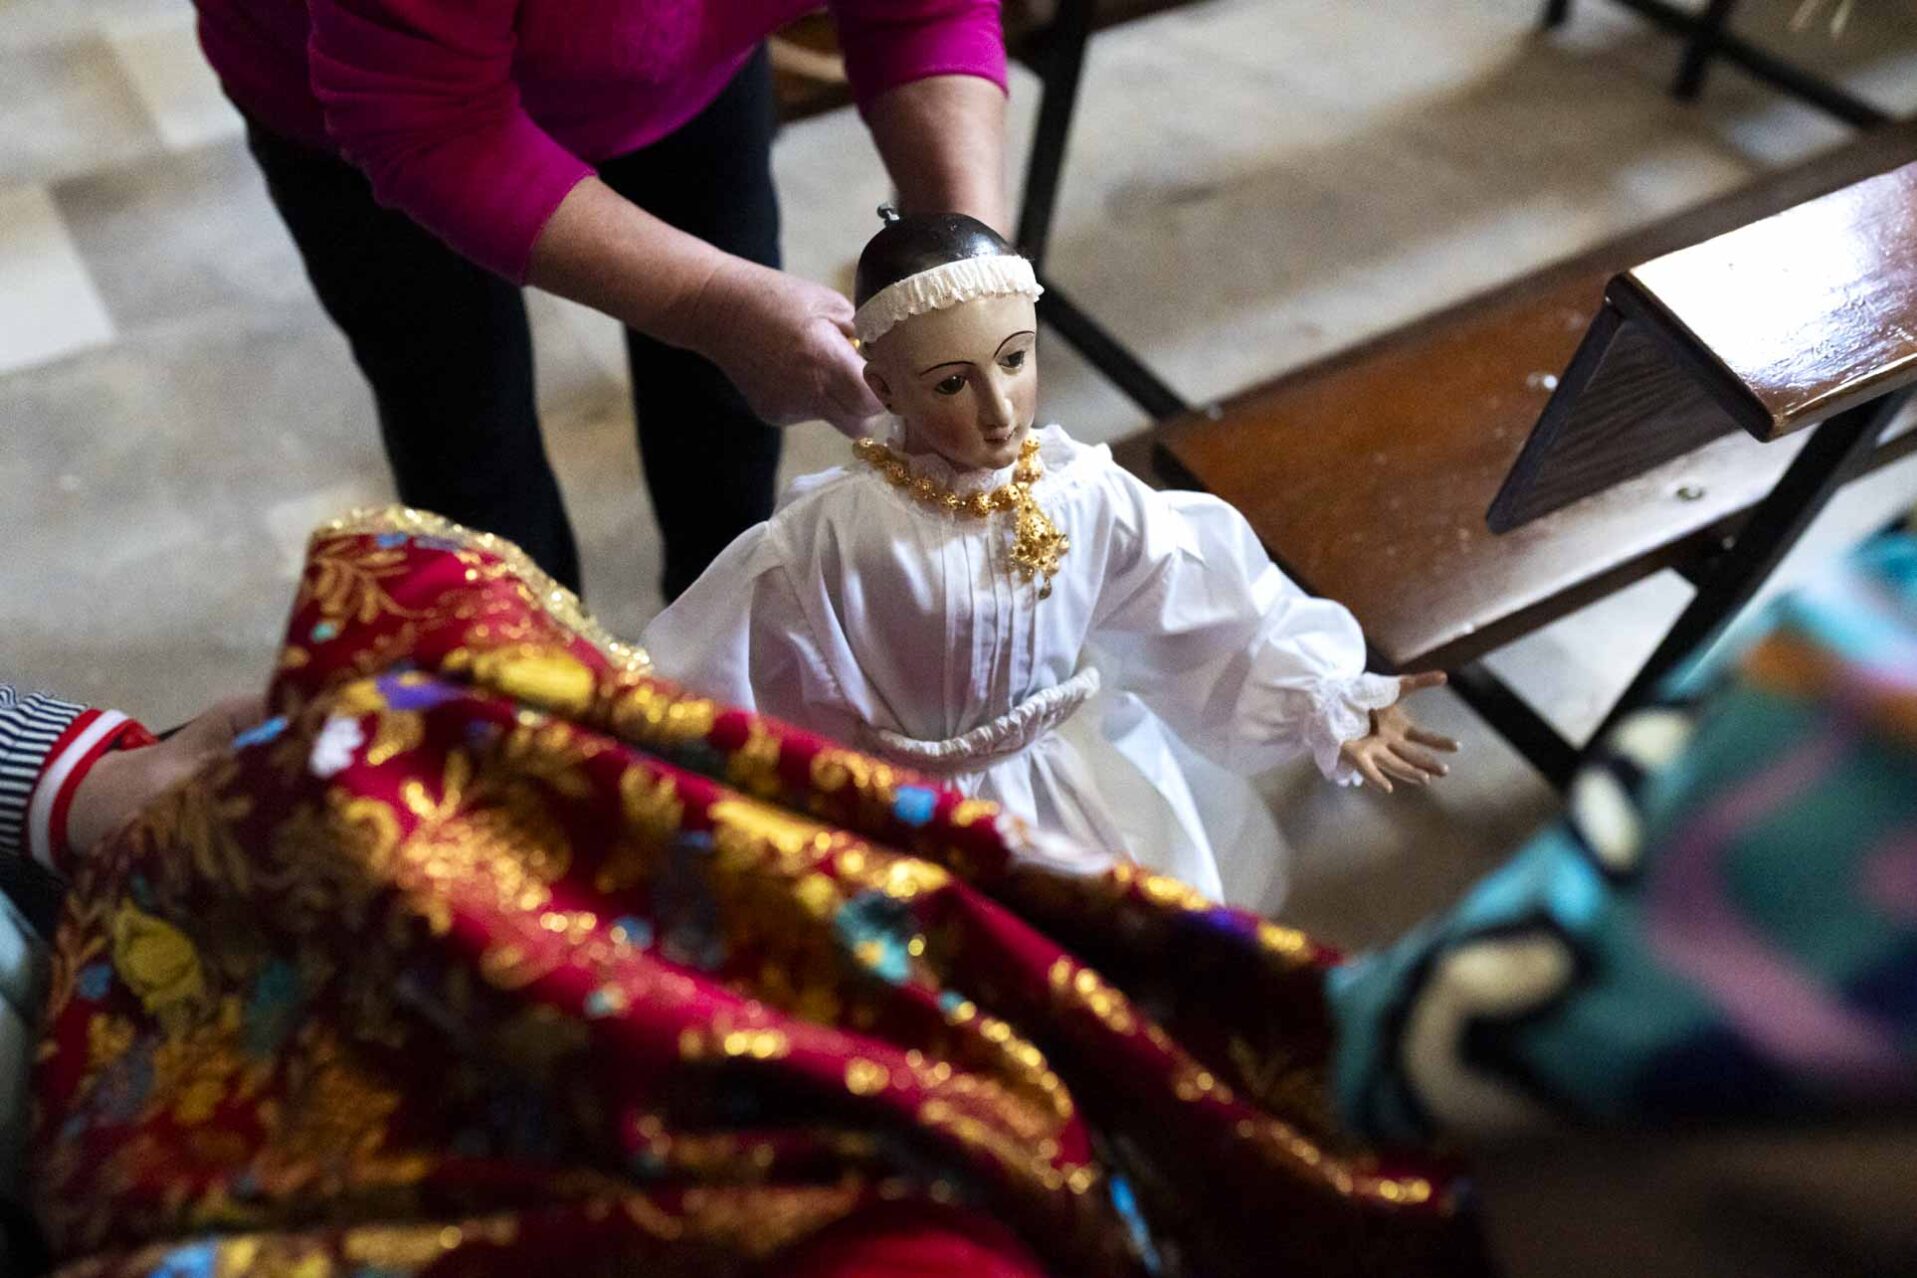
{"x":430,"y":157}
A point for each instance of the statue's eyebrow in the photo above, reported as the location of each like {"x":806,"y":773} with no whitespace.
{"x":966,"y":363}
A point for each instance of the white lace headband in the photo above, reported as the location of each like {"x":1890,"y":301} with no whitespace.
{"x":965,"y":280}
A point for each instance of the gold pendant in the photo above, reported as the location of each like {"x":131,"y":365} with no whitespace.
{"x":1037,"y":543}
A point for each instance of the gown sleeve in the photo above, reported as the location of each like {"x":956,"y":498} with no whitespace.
{"x":1240,"y":662}
{"x":740,"y":635}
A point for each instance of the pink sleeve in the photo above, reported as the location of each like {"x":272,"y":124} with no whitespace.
{"x":892,"y":42}
{"x":419,"y":94}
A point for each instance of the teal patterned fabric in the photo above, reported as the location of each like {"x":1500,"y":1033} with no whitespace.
{"x":1722,"y":926}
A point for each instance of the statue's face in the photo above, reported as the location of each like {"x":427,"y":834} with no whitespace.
{"x":964,"y":380}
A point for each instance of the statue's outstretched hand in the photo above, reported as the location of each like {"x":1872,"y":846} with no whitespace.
{"x":1396,"y":746}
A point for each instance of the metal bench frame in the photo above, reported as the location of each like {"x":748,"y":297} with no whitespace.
{"x":1707,"y":37}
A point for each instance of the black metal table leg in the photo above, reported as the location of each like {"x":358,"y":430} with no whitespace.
{"x":1542,"y":745}
{"x":1061,"y":62}
{"x":1780,"y":74}
{"x":1699,"y":48}
{"x":1834,"y":452}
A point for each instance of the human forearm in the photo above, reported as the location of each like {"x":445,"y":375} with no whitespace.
{"x":943,"y":142}
{"x":785,"y":342}
{"x":603,"y":251}
{"x":121,"y":783}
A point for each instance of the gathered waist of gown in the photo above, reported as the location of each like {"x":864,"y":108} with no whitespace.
{"x":992,"y":742}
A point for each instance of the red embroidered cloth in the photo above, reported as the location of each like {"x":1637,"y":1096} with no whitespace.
{"x":489,"y":951}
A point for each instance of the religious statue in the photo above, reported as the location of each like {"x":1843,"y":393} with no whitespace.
{"x":957,"y":596}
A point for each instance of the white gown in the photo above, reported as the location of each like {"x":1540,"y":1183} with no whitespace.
{"x":861,"y":614}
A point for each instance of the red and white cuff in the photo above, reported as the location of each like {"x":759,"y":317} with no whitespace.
{"x":90,"y":735}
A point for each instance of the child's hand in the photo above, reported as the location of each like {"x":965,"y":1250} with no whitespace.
{"x":123,"y":782}
{"x":1392,"y":748}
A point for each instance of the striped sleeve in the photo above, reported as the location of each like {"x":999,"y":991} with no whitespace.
{"x":31,"y":725}
{"x":47,"y":747}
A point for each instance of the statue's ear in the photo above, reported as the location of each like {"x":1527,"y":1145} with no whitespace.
{"x":880,"y":387}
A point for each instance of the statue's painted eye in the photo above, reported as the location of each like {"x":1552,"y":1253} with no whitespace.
{"x":1014,"y":360}
{"x":951,"y":385}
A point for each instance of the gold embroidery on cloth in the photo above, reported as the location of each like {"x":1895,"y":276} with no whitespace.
{"x":562,"y":604}
{"x":656,"y":717}
{"x":344,"y":582}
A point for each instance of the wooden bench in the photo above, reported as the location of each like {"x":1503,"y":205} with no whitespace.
{"x":1369,"y":476}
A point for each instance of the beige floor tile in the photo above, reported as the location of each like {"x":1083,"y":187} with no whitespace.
{"x":599,"y":338}
{"x":67,"y":108}
{"x":161,"y":57}
{"x":135,"y":484}
{"x":49,"y":307}
{"x":173,"y":236}
{"x":32,"y":24}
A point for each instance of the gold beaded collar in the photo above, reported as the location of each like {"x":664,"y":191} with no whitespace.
{"x":1037,"y":544}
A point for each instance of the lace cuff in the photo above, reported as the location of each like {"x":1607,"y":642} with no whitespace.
{"x":1341,"y":712}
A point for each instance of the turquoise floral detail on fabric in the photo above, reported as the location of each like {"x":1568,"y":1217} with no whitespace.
{"x":915,"y":805}
{"x":396,"y":540}
{"x":94,"y":981}
{"x":876,"y":929}
{"x":196,"y":1260}
{"x":1126,"y":1203}
{"x":262,"y":733}
{"x":632,"y":930}
{"x":272,"y":1007}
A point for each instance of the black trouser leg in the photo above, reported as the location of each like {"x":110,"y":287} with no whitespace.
{"x":711,"y":464}
{"x":443,"y":342}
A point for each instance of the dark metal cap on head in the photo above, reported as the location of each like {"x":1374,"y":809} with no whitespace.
{"x":905,"y":246}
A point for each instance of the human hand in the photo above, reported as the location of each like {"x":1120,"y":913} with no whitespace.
{"x":1394,"y":747}
{"x":786,"y":343}
{"x":122,"y":782}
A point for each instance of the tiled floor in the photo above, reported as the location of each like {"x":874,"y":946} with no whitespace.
{"x":1253,"y":184}
{"x":52,"y":308}
{"x":160,"y":57}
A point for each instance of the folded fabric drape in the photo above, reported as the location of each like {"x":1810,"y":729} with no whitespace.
{"x":490,"y":950}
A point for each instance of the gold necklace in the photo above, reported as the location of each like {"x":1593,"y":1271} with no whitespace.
{"x":1037,"y":544}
